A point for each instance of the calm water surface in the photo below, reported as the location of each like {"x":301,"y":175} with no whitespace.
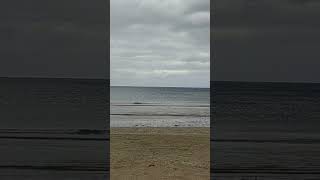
{"x":159,"y":107}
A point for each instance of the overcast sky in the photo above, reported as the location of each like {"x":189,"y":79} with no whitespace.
{"x":54,"y":38}
{"x":266,"y":40}
{"x":160,"y":43}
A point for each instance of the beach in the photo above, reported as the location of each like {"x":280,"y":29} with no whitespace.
{"x":160,"y":153}
{"x":159,"y":133}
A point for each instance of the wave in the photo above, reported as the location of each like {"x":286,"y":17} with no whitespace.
{"x":102,"y":168}
{"x":53,"y":138}
{"x":153,"y":104}
{"x":55,"y":134}
{"x":181,"y":115}
{"x":287,"y":141}
{"x":53,"y":131}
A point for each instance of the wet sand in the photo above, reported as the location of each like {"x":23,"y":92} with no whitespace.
{"x":160,"y":153}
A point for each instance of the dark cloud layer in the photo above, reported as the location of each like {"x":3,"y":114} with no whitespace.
{"x":54,"y":38}
{"x":160,"y":43}
{"x":266,"y":40}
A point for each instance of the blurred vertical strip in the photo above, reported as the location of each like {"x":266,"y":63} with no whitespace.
{"x":212,"y":59}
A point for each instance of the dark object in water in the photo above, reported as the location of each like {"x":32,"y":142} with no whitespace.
{"x":137,"y":103}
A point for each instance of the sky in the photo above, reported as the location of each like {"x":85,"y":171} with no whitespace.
{"x":266,"y":40}
{"x":54,"y":38}
{"x":160,"y":43}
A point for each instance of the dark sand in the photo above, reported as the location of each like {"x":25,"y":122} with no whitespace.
{"x":160,"y":153}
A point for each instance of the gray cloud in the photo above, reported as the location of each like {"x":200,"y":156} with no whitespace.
{"x":160,"y":43}
{"x":266,"y":40}
{"x":54,"y":38}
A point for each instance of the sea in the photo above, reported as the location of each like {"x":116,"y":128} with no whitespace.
{"x":265,"y":131}
{"x":159,"y":107}
{"x":54,"y":129}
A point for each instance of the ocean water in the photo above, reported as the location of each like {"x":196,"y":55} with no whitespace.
{"x":34,"y":103}
{"x":266,"y":107}
{"x":53,"y":128}
{"x":159,"y":107}
{"x":265,"y":130}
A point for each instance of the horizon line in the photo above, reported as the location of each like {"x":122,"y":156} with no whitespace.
{"x":42,"y":77}
{"x":108,"y":79}
{"x":158,"y":86}
{"x":284,"y":82}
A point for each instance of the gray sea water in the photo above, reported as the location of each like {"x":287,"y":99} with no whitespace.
{"x":53,"y":129}
{"x":160,"y":107}
{"x":265,"y":131}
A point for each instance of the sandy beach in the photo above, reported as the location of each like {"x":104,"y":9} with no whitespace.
{"x":160,"y":153}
